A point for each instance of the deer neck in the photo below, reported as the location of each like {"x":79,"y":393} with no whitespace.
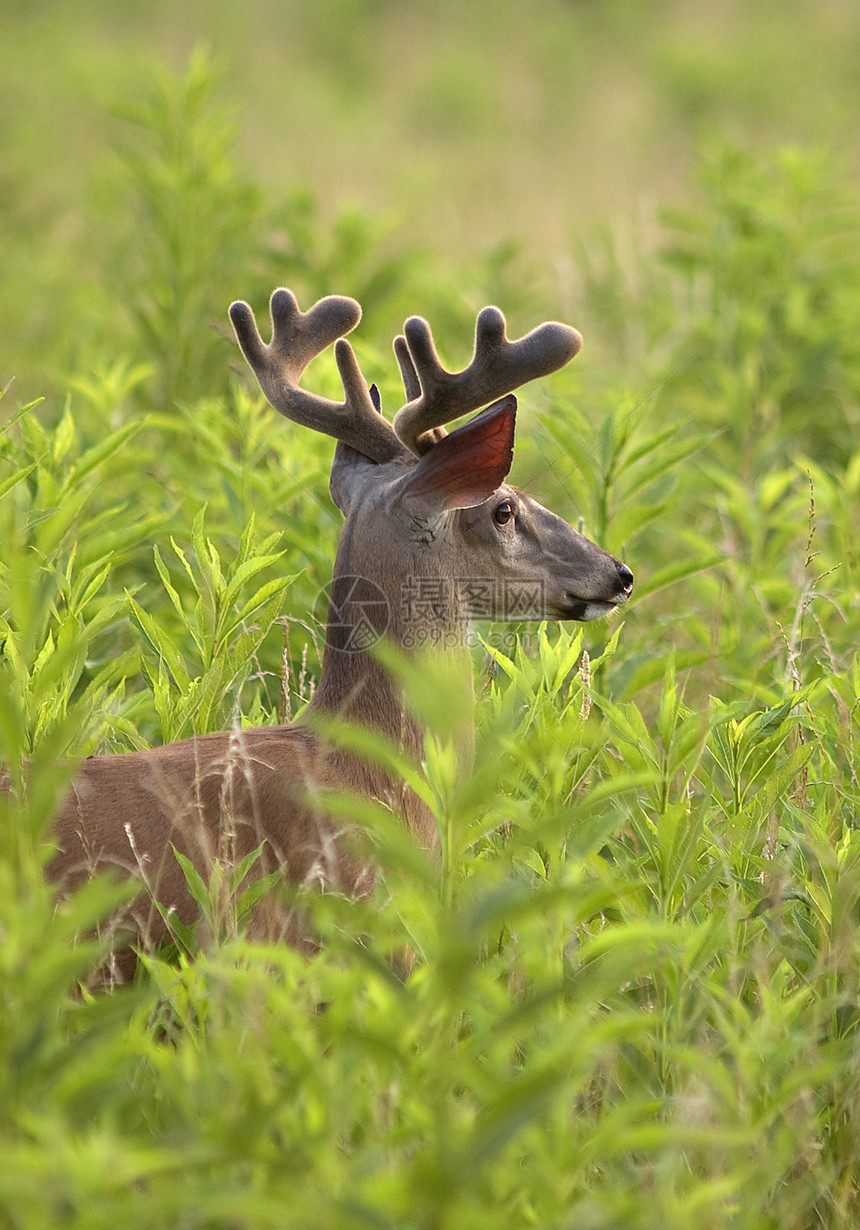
{"x":404,"y":598}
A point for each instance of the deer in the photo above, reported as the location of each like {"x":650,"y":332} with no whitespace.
{"x":427,"y":511}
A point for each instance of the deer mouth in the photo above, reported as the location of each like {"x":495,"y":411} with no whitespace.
{"x":612,"y":591}
{"x":584,"y":611}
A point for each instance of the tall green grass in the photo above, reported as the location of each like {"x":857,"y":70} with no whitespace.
{"x":634,"y":1001}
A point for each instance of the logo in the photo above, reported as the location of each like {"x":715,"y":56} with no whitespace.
{"x":357,"y":613}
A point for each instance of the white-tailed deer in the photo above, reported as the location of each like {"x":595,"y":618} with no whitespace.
{"x":433,"y":536}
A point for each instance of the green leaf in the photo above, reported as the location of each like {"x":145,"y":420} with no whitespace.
{"x":100,"y":453}
{"x":159,"y":641}
{"x":14,"y":478}
{"x":167,"y":583}
{"x":195,"y":882}
{"x":671,"y":574}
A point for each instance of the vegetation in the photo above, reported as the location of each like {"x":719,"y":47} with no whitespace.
{"x":635,"y":1001}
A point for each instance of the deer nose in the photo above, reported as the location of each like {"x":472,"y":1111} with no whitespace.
{"x":626,"y":576}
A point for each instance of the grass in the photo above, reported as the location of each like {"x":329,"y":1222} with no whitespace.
{"x":635,"y":1000}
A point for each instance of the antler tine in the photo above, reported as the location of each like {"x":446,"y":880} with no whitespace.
{"x":298,"y":337}
{"x":412,"y":388}
{"x":411,"y":383}
{"x":436,"y":396}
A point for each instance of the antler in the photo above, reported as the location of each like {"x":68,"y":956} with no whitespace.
{"x":298,"y":337}
{"x":437,"y":396}
{"x":434,"y":396}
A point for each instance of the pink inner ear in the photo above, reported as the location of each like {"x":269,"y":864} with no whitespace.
{"x":466,"y":467}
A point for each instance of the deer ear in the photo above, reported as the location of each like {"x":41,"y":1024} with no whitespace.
{"x":348,"y":476}
{"x":349,"y":467}
{"x":465,"y":468}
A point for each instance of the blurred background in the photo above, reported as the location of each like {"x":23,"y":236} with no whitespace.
{"x":494,"y":137}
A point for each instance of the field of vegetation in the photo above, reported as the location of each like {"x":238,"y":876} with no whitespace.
{"x":636,"y":997}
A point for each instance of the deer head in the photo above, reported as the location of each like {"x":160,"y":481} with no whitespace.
{"x":430,"y":519}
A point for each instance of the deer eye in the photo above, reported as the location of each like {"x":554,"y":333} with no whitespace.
{"x":504,"y":513}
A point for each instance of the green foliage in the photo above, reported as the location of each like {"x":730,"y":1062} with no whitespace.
{"x":226,"y":628}
{"x":633,"y":998}
{"x":770,"y":262}
{"x":193,"y":218}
